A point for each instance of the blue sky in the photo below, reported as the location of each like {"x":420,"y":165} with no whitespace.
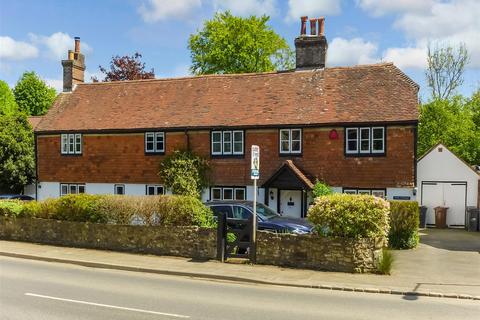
{"x":35,"y":35}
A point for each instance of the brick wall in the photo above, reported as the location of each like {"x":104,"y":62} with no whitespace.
{"x":120,"y":158}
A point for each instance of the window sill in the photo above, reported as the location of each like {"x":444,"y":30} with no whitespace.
{"x":227,"y":156}
{"x":155,"y":153}
{"x":71,"y":154}
{"x":299,"y":155}
{"x":365,"y":155}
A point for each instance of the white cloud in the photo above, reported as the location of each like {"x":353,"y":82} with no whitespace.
{"x":247,"y":7}
{"x":55,"y":83}
{"x":343,"y":52}
{"x":407,"y":57}
{"x":157,"y":10}
{"x":382,"y":7}
{"x":312,"y":8}
{"x":11,"y":49}
{"x":58,"y":44}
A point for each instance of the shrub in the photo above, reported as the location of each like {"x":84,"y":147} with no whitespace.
{"x":40,"y":209}
{"x":321,"y":189}
{"x":11,"y":208}
{"x":79,"y":207}
{"x":168,"y":210}
{"x":350,"y":216}
{"x":404,"y":222}
{"x":385,"y":263}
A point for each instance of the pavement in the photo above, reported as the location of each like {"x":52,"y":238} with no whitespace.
{"x":445,"y":264}
{"x":40,"y":290}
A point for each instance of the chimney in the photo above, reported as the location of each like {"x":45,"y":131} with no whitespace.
{"x":311,"y":49}
{"x":73,"y":68}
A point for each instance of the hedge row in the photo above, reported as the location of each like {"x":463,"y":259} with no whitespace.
{"x":167,"y":210}
{"x":404,"y":223}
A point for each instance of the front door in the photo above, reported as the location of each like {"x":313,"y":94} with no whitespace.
{"x":291,"y":203}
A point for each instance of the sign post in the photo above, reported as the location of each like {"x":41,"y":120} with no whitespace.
{"x":254,"y":175}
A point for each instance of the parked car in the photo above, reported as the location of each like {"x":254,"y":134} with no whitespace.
{"x":268,"y":219}
{"x":15,"y":197}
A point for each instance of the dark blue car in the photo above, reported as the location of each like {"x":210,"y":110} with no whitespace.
{"x":268,"y":219}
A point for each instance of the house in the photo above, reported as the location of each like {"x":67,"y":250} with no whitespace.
{"x":445,"y":180}
{"x":351,"y":127}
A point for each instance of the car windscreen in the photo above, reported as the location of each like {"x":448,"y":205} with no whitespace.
{"x":265,"y":212}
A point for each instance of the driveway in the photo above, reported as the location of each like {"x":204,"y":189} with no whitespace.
{"x":447,"y":260}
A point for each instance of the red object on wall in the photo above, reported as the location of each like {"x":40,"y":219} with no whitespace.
{"x":333,"y":135}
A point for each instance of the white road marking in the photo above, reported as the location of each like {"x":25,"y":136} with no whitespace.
{"x":106,"y":305}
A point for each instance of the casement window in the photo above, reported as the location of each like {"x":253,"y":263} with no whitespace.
{"x":227,"y":193}
{"x":71,"y":188}
{"x":154,"y":142}
{"x":291,"y":141}
{"x":381,"y":193}
{"x":71,"y":143}
{"x":365,"y":140}
{"x":119,"y":189}
{"x":227,"y":142}
{"x":153,"y":190}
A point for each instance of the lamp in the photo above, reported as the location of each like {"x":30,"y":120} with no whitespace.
{"x":271,"y":194}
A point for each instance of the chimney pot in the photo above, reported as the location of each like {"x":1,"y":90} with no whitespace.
{"x":321,"y":26}
{"x":313,"y":26}
{"x":77,"y":44}
{"x":303,"y":29}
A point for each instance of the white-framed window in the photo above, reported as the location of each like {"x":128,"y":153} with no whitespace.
{"x":381,"y":193}
{"x":119,"y":189}
{"x":154,"y":189}
{"x":229,"y":142}
{"x":350,"y":191}
{"x":363,"y":191}
{"x":71,"y":188}
{"x":291,"y":141}
{"x":378,"y":140}
{"x":365,"y":140}
{"x":227,"y":193}
{"x":154,"y":142}
{"x":71,"y":143}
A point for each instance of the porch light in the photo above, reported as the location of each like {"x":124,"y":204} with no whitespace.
{"x":271,"y":195}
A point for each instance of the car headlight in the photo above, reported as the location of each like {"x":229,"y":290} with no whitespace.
{"x":299,"y":231}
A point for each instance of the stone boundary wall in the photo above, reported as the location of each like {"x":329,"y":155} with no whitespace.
{"x":193,"y":242}
{"x":319,"y":253}
{"x":287,"y":250}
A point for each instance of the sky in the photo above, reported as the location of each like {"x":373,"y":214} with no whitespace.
{"x":36,"y":35}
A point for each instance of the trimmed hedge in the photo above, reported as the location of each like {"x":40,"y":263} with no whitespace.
{"x":404,"y":222}
{"x":350,"y":216}
{"x":145,"y":210}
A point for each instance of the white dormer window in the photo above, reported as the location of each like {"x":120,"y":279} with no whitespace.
{"x":71,"y":143}
{"x":290,"y":141}
{"x":154,"y":142}
{"x":227,"y":143}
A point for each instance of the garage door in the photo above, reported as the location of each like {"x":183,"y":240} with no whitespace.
{"x":448,"y":194}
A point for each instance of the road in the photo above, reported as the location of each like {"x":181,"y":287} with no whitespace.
{"x":43,"y":290}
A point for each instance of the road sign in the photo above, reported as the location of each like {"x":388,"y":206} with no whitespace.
{"x":255,"y":167}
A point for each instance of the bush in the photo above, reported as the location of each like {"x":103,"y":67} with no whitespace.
{"x":11,"y":208}
{"x":404,"y":222}
{"x":321,"y":189}
{"x":45,"y":209}
{"x":350,"y":216}
{"x":79,"y":207}
{"x":156,"y":210}
{"x":386,"y":262}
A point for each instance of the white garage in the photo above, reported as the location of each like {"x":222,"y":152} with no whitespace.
{"x":445,"y":180}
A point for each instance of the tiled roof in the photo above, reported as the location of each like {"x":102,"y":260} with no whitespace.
{"x":34,"y":121}
{"x":299,"y":173}
{"x":369,"y":93}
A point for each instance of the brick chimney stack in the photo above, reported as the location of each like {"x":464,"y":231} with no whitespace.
{"x":73,"y":68}
{"x":311,"y":49}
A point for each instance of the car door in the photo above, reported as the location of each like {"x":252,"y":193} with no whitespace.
{"x":224,"y":209}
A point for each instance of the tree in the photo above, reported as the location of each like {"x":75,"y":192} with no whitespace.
{"x":445,"y":68}
{"x":230,"y":44}
{"x":452,"y":123}
{"x":321,"y":189}
{"x":125,"y":68}
{"x":185,"y":173}
{"x":33,"y":95}
{"x":7,"y":100}
{"x":17,"y":165}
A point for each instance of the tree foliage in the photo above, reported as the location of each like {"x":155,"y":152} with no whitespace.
{"x":17,"y":165}
{"x":7,"y":100}
{"x":185,"y":173}
{"x":230,"y":44}
{"x":445,"y":68}
{"x":321,"y":189}
{"x":453,"y":122}
{"x":125,"y":68}
{"x":33,"y":95}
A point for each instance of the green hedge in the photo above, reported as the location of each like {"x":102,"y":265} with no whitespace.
{"x":149,"y":210}
{"x":404,"y":222}
{"x":350,"y":216}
